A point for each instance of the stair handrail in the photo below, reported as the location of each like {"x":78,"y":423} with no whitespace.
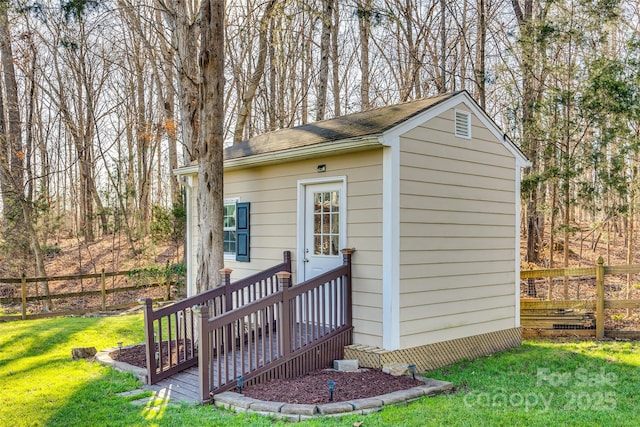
{"x":220,"y":299}
{"x":228,"y":328}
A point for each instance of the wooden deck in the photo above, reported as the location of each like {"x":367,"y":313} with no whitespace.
{"x":183,"y":386}
{"x":179,"y":388}
{"x":259,"y":328}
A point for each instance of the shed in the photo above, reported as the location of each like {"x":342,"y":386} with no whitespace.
{"x":427,"y":192}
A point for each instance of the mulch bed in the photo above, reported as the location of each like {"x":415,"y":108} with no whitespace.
{"x":136,"y":355}
{"x":313,"y":389}
{"x":308,"y":389}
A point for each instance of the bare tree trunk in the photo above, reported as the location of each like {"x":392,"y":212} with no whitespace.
{"x":277,"y":102}
{"x":250,"y":91}
{"x":170,"y":123}
{"x":335,"y":61}
{"x":143,"y":145}
{"x":183,"y":21}
{"x":364,"y":25}
{"x":12,"y":152}
{"x":306,"y":76}
{"x":17,"y":210}
{"x":442,"y":85}
{"x":462,"y":35}
{"x":480,"y":53}
{"x":210,"y":162}
{"x":531,"y":92}
{"x":323,"y":72}
{"x":631,"y":240}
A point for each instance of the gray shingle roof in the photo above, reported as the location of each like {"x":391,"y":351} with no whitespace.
{"x":357,"y":125}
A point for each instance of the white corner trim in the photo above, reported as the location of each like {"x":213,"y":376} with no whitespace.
{"x":189,"y":244}
{"x":517,"y":204}
{"x":391,"y":245}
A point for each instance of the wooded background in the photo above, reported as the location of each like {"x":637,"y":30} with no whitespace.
{"x":100,"y":101}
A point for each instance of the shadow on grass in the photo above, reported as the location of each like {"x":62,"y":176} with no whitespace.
{"x":538,"y":384}
{"x":96,"y":403}
{"x":36,"y":339}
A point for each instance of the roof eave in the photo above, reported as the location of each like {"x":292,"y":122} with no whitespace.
{"x":307,"y":152}
{"x":191,"y":169}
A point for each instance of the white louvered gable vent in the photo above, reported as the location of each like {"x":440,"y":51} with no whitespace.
{"x":463,"y":124}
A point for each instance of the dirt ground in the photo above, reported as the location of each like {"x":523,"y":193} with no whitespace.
{"x":72,"y":257}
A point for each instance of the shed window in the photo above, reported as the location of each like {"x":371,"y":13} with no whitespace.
{"x":236,"y":230}
{"x":230,"y":228}
{"x":463,"y":124}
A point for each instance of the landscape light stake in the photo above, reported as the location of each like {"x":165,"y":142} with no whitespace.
{"x":412,"y":371}
{"x":332,"y":388}
{"x":119,"y":348}
{"x":240,"y":383}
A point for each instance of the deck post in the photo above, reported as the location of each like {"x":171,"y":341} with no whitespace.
{"x":346,"y":260}
{"x":202,"y":319}
{"x":225,"y":281}
{"x":286,"y":257}
{"x":284,"y":283}
{"x":600,"y":299}
{"x":149,"y":339}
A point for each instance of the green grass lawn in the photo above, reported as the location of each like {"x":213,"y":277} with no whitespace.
{"x":541,"y":383}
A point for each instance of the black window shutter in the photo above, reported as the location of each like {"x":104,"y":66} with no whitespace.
{"x":242,"y":231}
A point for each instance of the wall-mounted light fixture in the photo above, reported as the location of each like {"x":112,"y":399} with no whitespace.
{"x":321,"y":168}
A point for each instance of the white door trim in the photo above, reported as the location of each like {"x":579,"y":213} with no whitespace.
{"x":302,"y":186}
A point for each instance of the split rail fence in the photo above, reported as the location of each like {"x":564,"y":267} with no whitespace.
{"x":581,"y":316}
{"x":92,"y":294}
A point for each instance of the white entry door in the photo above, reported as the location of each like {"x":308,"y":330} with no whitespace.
{"x":323,"y":228}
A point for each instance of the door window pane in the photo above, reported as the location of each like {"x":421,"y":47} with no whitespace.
{"x":326,"y":223}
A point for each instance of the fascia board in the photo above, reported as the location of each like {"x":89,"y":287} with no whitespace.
{"x":311,"y":151}
{"x":186,"y":170}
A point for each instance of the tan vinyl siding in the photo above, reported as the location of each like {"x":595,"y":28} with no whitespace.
{"x":415,"y":301}
{"x":272,"y":191}
{"x":459,"y":316}
{"x":428,"y":284}
{"x":457,"y":233}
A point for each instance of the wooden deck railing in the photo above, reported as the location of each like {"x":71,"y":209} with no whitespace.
{"x":169,"y":331}
{"x":288,"y":333}
{"x":534,"y":309}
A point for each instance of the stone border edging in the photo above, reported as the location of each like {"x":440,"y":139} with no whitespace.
{"x":300,"y":412}
{"x":297,"y":412}
{"x":104,"y":358}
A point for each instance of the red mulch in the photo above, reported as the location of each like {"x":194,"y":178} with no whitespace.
{"x":136,"y":355}
{"x":312,"y":388}
{"x":309,"y":389}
